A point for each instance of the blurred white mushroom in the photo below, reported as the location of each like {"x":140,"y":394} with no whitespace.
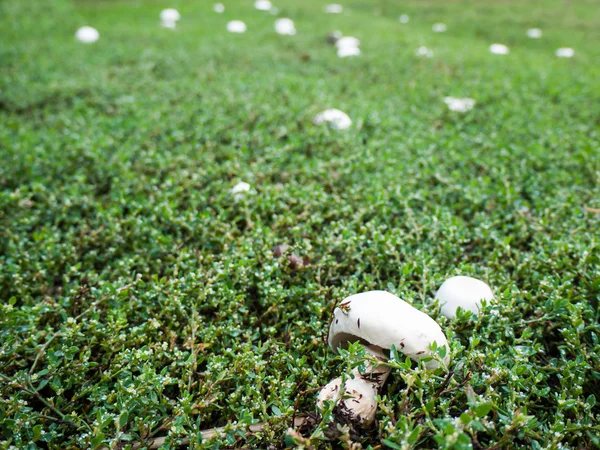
{"x":87,"y":35}
{"x":169,"y":17}
{"x":499,"y":49}
{"x":464,"y":292}
{"x":347,"y":41}
{"x":337,"y":119}
{"x":240,"y":190}
{"x":439,"y":28}
{"x":285,"y":26}
{"x":424,"y":52}
{"x":262,"y":5}
{"x":404,"y":18}
{"x":219,"y":8}
{"x":459,"y":104}
{"x":534,"y":33}
{"x":236,"y":26}
{"x":334,"y":8}
{"x":345,"y":52}
{"x":565,"y":52}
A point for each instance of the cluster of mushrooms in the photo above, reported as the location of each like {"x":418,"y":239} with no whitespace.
{"x":379,"y":320}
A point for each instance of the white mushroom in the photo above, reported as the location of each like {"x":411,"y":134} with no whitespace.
{"x":87,"y":35}
{"x":236,"y":26}
{"x":464,"y":292}
{"x":262,"y":5}
{"x":347,"y":41}
{"x":337,"y":119}
{"x":499,"y":49}
{"x":404,"y":18}
{"x":345,"y":52}
{"x":424,"y":52}
{"x":534,"y":33}
{"x":334,"y":8}
{"x":219,"y":8}
{"x":169,"y":17}
{"x":439,"y":28}
{"x":565,"y":52}
{"x":459,"y":104}
{"x":378,"y":320}
{"x":285,"y":26}
{"x":240,"y":190}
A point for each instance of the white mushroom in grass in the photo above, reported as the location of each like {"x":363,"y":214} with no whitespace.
{"x":565,"y":52}
{"x":464,"y":292}
{"x":334,"y":8}
{"x":262,"y":5}
{"x":240,"y":190}
{"x":378,"y":320}
{"x":404,"y":18}
{"x":459,"y":104}
{"x":236,"y":26}
{"x":439,"y":28}
{"x":219,"y":8}
{"x":285,"y":26}
{"x":87,"y":35}
{"x":534,"y":33}
{"x":499,"y":49}
{"x":169,"y":17}
{"x":337,"y":119}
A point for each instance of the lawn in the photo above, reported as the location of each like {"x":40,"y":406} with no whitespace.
{"x":141,"y":299}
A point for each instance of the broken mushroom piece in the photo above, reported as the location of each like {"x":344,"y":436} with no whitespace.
{"x":464,"y":292}
{"x":378,"y":320}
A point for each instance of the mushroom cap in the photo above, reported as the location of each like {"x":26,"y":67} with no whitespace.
{"x":236,"y":26}
{"x":337,"y":119}
{"x":439,"y":28}
{"x":87,"y":35}
{"x":334,"y":8}
{"x":285,"y":26}
{"x":466,"y":292}
{"x":219,"y":8}
{"x":262,"y":5}
{"x":565,"y":52}
{"x":344,"y":52}
{"x":499,"y":49}
{"x":347,"y":41}
{"x":170,"y":15}
{"x":381,"y":319}
{"x":534,"y":33}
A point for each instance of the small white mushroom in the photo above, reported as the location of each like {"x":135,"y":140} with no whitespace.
{"x":378,"y":320}
{"x":236,"y":26}
{"x":459,"y":104}
{"x":565,"y":52}
{"x":424,"y":52}
{"x":345,"y":52}
{"x":499,"y":49}
{"x":240,"y":190}
{"x":534,"y":33}
{"x":334,"y":8}
{"x":87,"y":35}
{"x":464,"y":292}
{"x":285,"y":26}
{"x":404,"y":18}
{"x":439,"y":28}
{"x":169,"y":18}
{"x":347,"y":41}
{"x":262,"y":5}
{"x":337,"y":119}
{"x":219,"y":8}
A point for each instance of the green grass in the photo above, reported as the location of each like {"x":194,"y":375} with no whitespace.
{"x":140,"y":300}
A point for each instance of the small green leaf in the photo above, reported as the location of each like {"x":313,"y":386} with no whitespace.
{"x":123,"y":419}
{"x":483,"y":409}
{"x":391,"y":444}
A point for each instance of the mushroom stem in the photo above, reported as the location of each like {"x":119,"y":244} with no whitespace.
{"x":355,"y":403}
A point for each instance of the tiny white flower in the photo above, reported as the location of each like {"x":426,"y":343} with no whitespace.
{"x":499,"y":49}
{"x":459,"y":104}
{"x":240,"y":190}
{"x":534,"y":33}
{"x":439,"y":28}
{"x":404,"y":18}
{"x":565,"y":52}
{"x":347,"y":41}
{"x":219,"y":8}
{"x":87,"y":35}
{"x":262,"y":5}
{"x":424,"y":52}
{"x":236,"y":26}
{"x":345,"y":52}
{"x":285,"y":26}
{"x":337,"y":119}
{"x":334,"y":8}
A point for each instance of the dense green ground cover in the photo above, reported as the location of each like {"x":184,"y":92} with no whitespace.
{"x":140,"y":300}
